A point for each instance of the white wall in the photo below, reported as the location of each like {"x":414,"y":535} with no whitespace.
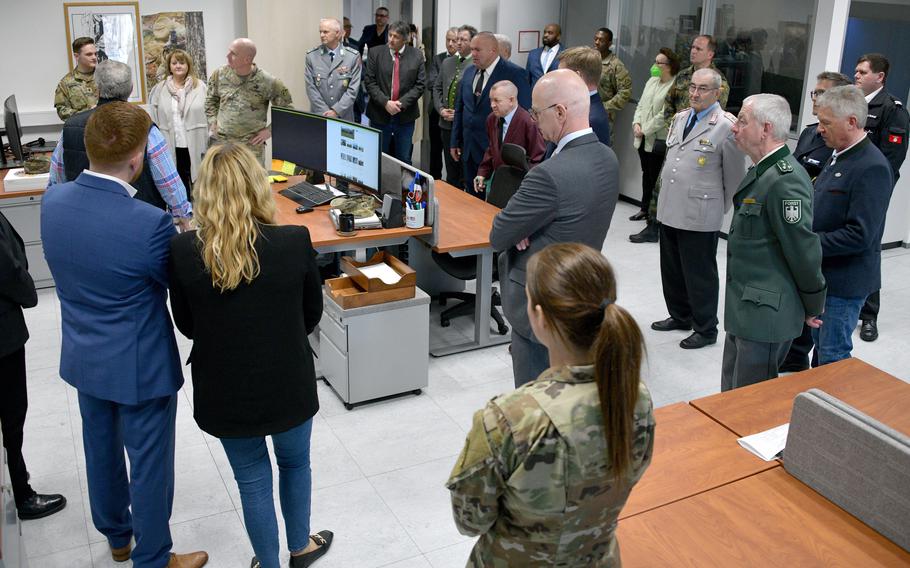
{"x":515,"y":15}
{"x":482,"y":14}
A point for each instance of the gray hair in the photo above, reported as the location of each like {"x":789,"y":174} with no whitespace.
{"x":452,"y":30}
{"x":508,"y":87}
{"x":468,"y":28}
{"x":505,"y":45}
{"x":401,"y":28}
{"x":844,"y":102}
{"x":114,"y":80}
{"x":835,"y":78}
{"x":773,"y":109}
{"x":333,"y":21}
{"x":712,"y":73}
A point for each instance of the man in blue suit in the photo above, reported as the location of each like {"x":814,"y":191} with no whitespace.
{"x":472,"y":102}
{"x":108,"y":254}
{"x":544,"y":59}
{"x":586,"y":62}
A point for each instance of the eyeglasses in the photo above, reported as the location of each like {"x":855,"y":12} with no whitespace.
{"x":816,"y":93}
{"x":700,"y":89}
{"x":381,"y":15}
{"x":535,"y":114}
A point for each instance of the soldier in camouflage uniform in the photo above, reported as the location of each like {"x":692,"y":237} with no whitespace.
{"x":615,"y":88}
{"x":701,"y":55}
{"x":536,"y":479}
{"x":77,"y":91}
{"x":238,"y":99}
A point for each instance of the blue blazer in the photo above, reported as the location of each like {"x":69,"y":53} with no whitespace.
{"x":599,"y":120}
{"x":108,"y":254}
{"x":469,"y":128}
{"x":535,"y":71}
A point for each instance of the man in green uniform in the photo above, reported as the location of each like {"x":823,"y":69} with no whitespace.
{"x":701,"y":55}
{"x":238,"y":99}
{"x":774,"y":260}
{"x":615,"y":88}
{"x":77,"y":91}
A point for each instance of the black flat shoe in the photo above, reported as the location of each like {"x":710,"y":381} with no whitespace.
{"x":40,"y":506}
{"x":670,"y":324}
{"x":869,"y":331}
{"x":324,"y":540}
{"x":697,"y":341}
{"x":254,"y":563}
{"x":650,"y":234}
{"x":640,"y":216}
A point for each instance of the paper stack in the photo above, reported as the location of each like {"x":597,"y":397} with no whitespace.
{"x":17,"y":180}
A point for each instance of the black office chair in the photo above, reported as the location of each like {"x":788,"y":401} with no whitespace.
{"x":506,"y":180}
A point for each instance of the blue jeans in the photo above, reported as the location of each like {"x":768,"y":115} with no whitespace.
{"x":403,"y":133}
{"x":249,"y":458}
{"x":834,"y":339}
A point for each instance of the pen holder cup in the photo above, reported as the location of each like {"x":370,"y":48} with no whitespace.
{"x":414,"y":218}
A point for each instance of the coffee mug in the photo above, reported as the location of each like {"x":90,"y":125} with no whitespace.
{"x":346,"y":223}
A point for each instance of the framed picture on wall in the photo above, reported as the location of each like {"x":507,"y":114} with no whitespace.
{"x":528,"y":40}
{"x":115,"y":28}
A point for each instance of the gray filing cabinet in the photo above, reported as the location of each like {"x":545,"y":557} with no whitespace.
{"x":12,"y":550}
{"x":24,"y":214}
{"x":375,"y":351}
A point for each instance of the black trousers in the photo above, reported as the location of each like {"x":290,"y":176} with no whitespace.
{"x":435,"y":144}
{"x":651,"y":163}
{"x":688,"y":272}
{"x":454,"y":173}
{"x":800,"y":349}
{"x":13,"y":407}
{"x":870,"y":309}
{"x":183,"y":170}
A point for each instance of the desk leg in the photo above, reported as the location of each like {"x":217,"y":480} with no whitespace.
{"x":482,"y":305}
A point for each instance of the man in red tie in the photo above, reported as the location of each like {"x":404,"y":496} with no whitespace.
{"x":394,"y":79}
{"x":508,"y":123}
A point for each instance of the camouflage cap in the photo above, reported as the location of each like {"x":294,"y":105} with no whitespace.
{"x":37,"y":165}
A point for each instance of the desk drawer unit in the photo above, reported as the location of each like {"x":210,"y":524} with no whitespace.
{"x":24,"y":214}
{"x":375,"y":351}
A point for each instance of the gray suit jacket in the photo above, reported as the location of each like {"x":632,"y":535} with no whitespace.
{"x":441,"y":85}
{"x":567,"y":198}
{"x":700,"y":173}
{"x":377,"y":81}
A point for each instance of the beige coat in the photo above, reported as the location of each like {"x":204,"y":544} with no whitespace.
{"x":194,"y":120}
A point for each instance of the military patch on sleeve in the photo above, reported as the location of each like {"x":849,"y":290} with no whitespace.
{"x":785,"y":168}
{"x":793,"y":210}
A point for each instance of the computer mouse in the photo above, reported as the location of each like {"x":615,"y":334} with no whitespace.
{"x":304,"y":209}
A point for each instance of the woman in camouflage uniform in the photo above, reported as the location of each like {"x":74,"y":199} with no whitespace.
{"x":547,"y":468}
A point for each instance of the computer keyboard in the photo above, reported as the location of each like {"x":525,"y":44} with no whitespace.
{"x":308,"y":194}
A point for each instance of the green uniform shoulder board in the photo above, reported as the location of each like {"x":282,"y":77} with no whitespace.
{"x":351,"y":50}
{"x":784,"y":166}
{"x":314,"y":49}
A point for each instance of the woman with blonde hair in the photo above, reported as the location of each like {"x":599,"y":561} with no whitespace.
{"x":547,"y":468}
{"x":177,"y":106}
{"x":247,"y":293}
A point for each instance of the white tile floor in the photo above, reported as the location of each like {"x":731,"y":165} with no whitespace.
{"x":378,"y":471}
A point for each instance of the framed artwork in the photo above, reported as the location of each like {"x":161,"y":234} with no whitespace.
{"x":528,"y":40}
{"x":166,"y":31}
{"x":115,"y":28}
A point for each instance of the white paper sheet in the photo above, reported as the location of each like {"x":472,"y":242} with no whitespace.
{"x":768,"y":444}
{"x":382,"y":271}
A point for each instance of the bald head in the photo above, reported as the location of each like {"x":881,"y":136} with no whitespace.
{"x":561,"y":104}
{"x":484,"y":49}
{"x":240,"y":55}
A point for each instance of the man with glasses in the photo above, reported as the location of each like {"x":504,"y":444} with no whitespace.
{"x":347,"y":40}
{"x":556,"y":202}
{"x":445,"y":87}
{"x":701,"y":55}
{"x":377,"y":34}
{"x":702,"y":170}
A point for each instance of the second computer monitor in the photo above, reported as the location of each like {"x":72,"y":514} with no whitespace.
{"x":332,"y":146}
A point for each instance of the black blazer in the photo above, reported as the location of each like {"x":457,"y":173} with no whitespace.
{"x":17,"y":290}
{"x":252,"y":366}
{"x":377,"y":80}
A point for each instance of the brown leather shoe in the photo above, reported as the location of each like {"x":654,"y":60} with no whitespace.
{"x":122,"y":554}
{"x":190,"y":560}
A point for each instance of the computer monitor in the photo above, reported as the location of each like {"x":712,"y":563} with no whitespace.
{"x":13,"y":133}
{"x":338,"y":148}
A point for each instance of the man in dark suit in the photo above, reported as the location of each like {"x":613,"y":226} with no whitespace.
{"x":587,"y":63}
{"x":433,"y":67}
{"x":394,"y":79}
{"x":17,"y":291}
{"x":851,"y":198}
{"x":347,"y":40}
{"x":445,"y":90}
{"x":507,"y":124}
{"x":544,"y":59}
{"x":472,"y":103}
{"x":374,"y":35}
{"x":556,"y":202}
{"x":109,"y":257}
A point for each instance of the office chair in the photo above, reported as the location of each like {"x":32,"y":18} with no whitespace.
{"x":505,"y":182}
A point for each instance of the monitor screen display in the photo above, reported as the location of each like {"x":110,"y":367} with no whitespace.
{"x":12,"y":127}
{"x":335,"y":147}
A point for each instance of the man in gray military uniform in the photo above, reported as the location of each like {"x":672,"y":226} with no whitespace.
{"x":702,"y":170}
{"x":774,"y":269}
{"x":332,"y":73}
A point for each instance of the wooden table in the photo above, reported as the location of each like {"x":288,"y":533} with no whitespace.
{"x":769,"y":519}
{"x":464,"y":224}
{"x":758,"y":407}
{"x":692,"y":454}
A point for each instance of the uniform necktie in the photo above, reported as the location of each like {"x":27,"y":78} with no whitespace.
{"x":502,"y":128}
{"x":691,"y":124}
{"x":478,"y":86}
{"x":453,"y":86}
{"x":332,"y":56}
{"x":395,"y":78}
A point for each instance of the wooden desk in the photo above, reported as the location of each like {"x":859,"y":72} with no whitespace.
{"x":692,"y":454}
{"x":322,"y":230}
{"x":769,"y":519}
{"x":463,"y":229}
{"x":758,"y":407}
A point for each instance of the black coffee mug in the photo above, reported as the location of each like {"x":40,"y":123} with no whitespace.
{"x":346,"y":222}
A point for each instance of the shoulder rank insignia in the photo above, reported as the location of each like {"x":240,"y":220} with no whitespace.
{"x":793,"y":210}
{"x":785,"y":168}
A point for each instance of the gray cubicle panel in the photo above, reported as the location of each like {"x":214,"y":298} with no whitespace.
{"x":395,"y":178}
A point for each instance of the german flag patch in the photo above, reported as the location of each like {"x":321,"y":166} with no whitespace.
{"x":895,"y":139}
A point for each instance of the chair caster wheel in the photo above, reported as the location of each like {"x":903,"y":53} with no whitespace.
{"x":445,"y":322}
{"x":504,"y":329}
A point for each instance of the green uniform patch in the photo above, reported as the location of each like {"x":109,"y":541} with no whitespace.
{"x":784,"y":167}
